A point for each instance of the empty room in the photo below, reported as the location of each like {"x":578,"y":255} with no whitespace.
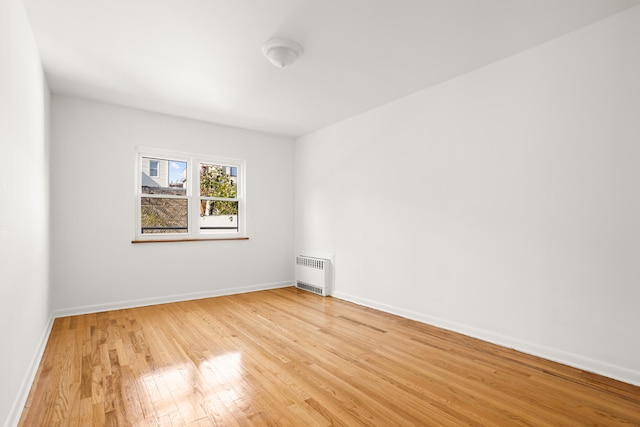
{"x":320,"y":213}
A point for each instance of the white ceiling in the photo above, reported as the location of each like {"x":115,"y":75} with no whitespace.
{"x":202,"y":59}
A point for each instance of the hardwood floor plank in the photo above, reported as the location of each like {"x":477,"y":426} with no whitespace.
{"x":286,"y":357}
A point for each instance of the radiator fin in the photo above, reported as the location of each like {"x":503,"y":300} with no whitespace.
{"x":311,"y":288}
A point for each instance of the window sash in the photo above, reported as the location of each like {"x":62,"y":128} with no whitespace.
{"x":163,"y":196}
{"x":221,"y":199}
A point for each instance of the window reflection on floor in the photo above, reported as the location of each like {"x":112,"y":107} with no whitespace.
{"x":177,"y":393}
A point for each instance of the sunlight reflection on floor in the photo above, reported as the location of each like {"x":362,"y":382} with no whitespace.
{"x":175,"y":391}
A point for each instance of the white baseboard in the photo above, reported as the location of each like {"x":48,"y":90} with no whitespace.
{"x":596,"y":366}
{"x":87,"y":309}
{"x":23,"y":394}
{"x":580,"y":362}
{"x":25,"y":388}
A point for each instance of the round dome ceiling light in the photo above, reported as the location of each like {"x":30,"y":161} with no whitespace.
{"x":281,"y":52}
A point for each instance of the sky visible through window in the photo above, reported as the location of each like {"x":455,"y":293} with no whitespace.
{"x":176,"y":171}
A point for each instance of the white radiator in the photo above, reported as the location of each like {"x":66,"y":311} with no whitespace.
{"x":313,"y":275}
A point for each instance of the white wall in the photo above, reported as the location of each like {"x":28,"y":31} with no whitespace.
{"x":24,"y":211}
{"x":94,"y":264}
{"x":503,"y":204}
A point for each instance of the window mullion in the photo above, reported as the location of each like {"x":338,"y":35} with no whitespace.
{"x":193,"y":191}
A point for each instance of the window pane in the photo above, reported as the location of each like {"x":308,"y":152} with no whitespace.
{"x":160,"y":215}
{"x":164,"y":176}
{"x":217,"y":181}
{"x":218,"y":215}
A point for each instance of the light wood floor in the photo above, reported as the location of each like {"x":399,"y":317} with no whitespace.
{"x":291,"y":358}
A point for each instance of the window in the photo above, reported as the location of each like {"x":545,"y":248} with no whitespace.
{"x":153,"y":168}
{"x":187,"y":196}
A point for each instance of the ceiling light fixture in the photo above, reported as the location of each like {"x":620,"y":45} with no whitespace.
{"x":281,"y":52}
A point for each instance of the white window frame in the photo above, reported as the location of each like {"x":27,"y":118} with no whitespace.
{"x":193,"y":162}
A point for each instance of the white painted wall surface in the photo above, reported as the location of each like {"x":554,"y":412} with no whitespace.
{"x":24,"y":210}
{"x":94,"y":264}
{"x":503,"y":204}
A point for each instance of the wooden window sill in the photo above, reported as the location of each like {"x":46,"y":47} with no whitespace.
{"x":189,"y":240}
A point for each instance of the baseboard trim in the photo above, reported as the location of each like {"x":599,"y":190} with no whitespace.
{"x":23,"y":394}
{"x":16,"y":410}
{"x":576,"y":361}
{"x":88,"y":309}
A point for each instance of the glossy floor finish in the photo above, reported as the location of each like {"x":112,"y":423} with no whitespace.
{"x":291,"y":358}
